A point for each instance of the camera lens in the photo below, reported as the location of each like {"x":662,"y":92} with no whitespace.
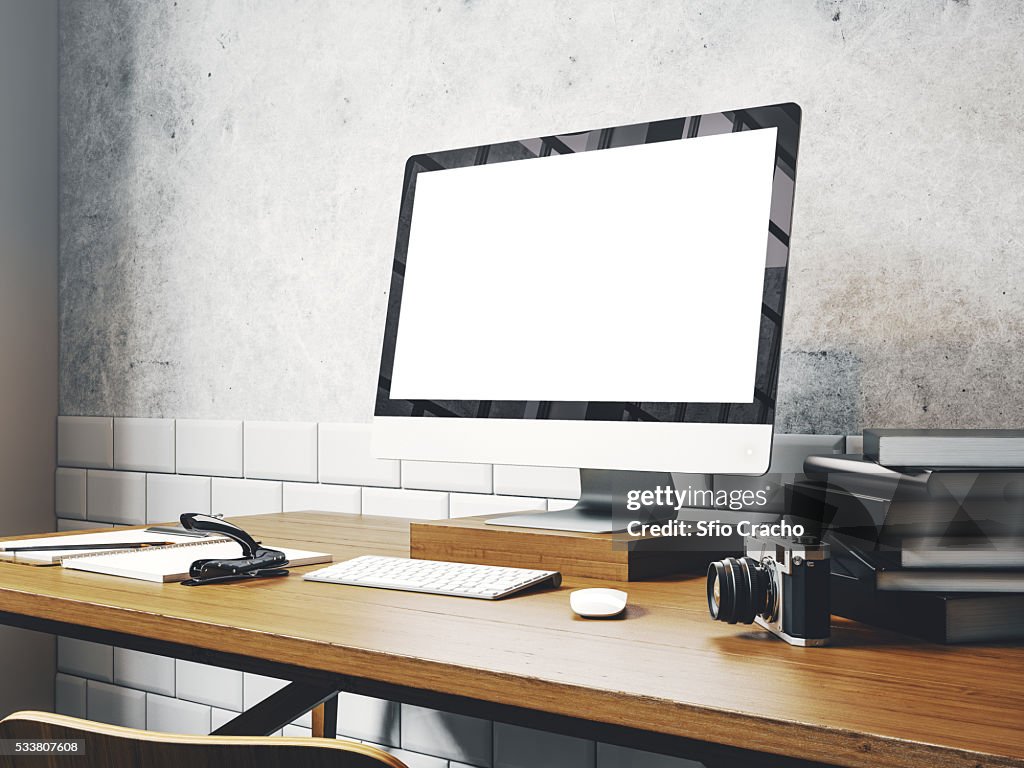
{"x":740,"y":588}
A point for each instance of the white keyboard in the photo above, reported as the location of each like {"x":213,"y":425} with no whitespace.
{"x":488,"y":582}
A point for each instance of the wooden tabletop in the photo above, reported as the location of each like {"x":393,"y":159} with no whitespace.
{"x":871,"y":699}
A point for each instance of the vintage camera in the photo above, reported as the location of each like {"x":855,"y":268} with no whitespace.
{"x":781,"y":585}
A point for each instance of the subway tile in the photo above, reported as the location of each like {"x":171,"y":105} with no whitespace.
{"x":280,"y":450}
{"x":144,"y":671}
{"x":447,"y":735}
{"x":220,"y":717}
{"x":322,"y":498}
{"x":80,"y":525}
{"x":398,"y":502}
{"x":258,"y":687}
{"x":610,"y":756}
{"x":169,"y":715}
{"x":69,"y":695}
{"x":416,"y":759}
{"x":233,"y":498}
{"x":115,"y":705}
{"x":447,"y":476}
{"x":369,"y":719}
{"x":205,"y":684}
{"x":556,"y":482}
{"x":85,"y":441}
{"x":69,"y":493}
{"x":116,"y":497}
{"x":168,"y":496}
{"x":297,"y":731}
{"x":518,"y":747}
{"x":472,"y":504}
{"x":345,"y":458}
{"x":855,"y":444}
{"x":207,"y":447}
{"x":85,"y":659}
{"x":144,"y":445}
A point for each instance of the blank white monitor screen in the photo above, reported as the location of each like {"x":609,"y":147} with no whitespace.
{"x":630,"y":274}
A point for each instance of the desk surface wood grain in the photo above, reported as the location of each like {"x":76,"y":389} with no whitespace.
{"x":871,"y":699}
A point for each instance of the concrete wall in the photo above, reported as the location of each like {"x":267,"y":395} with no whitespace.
{"x":231,"y":174}
{"x":28,"y":313}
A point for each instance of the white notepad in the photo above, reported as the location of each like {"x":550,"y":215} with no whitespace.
{"x":53,"y":557}
{"x":162,"y":564}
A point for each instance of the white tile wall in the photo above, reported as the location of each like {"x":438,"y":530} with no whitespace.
{"x":369,"y":719}
{"x":144,"y":671}
{"x":855,"y":443}
{"x":398,"y":502}
{"x":85,"y":441}
{"x":345,"y":458}
{"x":219,"y":717}
{"x":69,"y":695}
{"x":610,"y":756}
{"x":258,"y":687}
{"x":277,"y":450}
{"x":85,"y":659}
{"x":176,"y":716}
{"x":116,"y":497}
{"x":471,"y":504}
{"x":204,"y":684}
{"x":552,"y":482}
{"x":447,"y":476}
{"x":206,"y":447}
{"x":322,"y":498}
{"x":145,"y":445}
{"x":245,"y":497}
{"x":112,"y":704}
{"x":517,"y":747}
{"x":415,"y":759}
{"x":168,"y":496}
{"x":297,"y":731}
{"x":69,"y":493}
{"x":444,"y":734}
{"x":80,"y":525}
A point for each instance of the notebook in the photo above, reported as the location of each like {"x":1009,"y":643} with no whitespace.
{"x":53,"y":557}
{"x":163,"y":564}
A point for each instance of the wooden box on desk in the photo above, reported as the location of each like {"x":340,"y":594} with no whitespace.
{"x":591,"y":555}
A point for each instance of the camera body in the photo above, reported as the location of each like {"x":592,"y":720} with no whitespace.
{"x":781,"y":585}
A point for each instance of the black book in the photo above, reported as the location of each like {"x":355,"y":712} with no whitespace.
{"x":962,"y":448}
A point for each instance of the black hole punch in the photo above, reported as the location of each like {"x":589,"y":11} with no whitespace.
{"x":256,"y":562}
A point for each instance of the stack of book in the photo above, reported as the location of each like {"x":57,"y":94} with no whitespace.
{"x":927,"y":532}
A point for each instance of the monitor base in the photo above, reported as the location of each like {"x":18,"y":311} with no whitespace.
{"x":602,"y":504}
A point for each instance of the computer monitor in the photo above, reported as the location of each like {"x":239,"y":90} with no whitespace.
{"x":609,"y":299}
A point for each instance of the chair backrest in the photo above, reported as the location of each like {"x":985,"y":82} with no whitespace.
{"x":111,"y":746}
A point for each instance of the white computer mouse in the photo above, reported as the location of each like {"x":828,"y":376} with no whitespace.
{"x":597,"y":603}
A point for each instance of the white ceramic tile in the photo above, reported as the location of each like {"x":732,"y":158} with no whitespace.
{"x":518,"y":747}
{"x":168,"y":496}
{"x":258,"y":687}
{"x":69,"y":493}
{"x":116,"y":497}
{"x":168,"y":715}
{"x":297,"y":731}
{"x":555,"y":482}
{"x":206,"y":447}
{"x":415,"y":759}
{"x":85,"y":659}
{"x":322,"y":498}
{"x":369,"y":719}
{"x":69,"y":695}
{"x":472,"y":504}
{"x":115,"y":705}
{"x":144,"y":445}
{"x":855,"y":443}
{"x":345,"y":458}
{"x":559,"y":504}
{"x":447,"y":476}
{"x":447,"y":735}
{"x":80,"y":525}
{"x":204,"y":684}
{"x":398,"y":502}
{"x":281,"y":450}
{"x":219,"y":717}
{"x":609,"y":756}
{"x":144,"y":671}
{"x":85,"y":441}
{"x":233,"y":498}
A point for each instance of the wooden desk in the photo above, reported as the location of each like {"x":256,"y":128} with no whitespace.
{"x":665,"y":678}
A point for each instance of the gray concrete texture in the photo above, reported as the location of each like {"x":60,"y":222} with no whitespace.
{"x":231,"y":175}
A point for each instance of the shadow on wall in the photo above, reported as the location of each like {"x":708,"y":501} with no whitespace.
{"x":819,"y":392}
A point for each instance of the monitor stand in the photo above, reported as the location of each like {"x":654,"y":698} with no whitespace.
{"x":602,"y":504}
